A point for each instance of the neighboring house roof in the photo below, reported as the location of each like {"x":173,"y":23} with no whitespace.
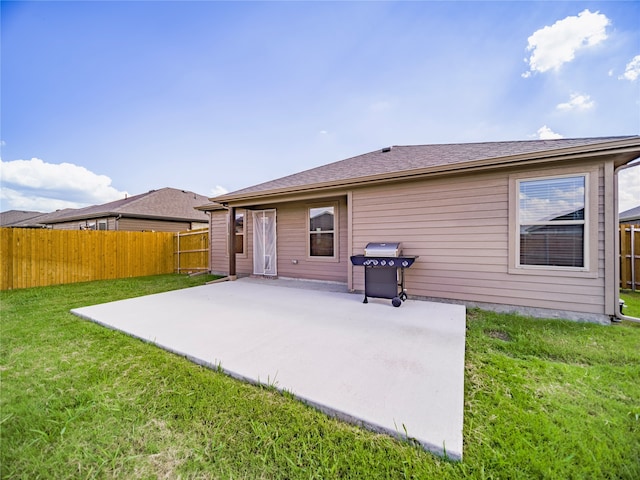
{"x":398,"y":162}
{"x":165,"y":203}
{"x":19,"y":218}
{"x":631,"y":215}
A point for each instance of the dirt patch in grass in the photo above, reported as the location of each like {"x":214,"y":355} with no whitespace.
{"x":499,"y":334}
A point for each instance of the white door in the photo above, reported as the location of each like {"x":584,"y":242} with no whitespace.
{"x":264,"y":242}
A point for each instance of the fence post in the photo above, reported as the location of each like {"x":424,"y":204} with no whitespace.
{"x":629,"y":256}
{"x":633,"y":258}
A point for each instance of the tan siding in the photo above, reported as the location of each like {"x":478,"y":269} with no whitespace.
{"x":219,"y":250}
{"x":459,"y":227}
{"x":292,"y":234}
{"x":129,"y":225}
{"x":141,"y":224}
{"x":218,"y":242}
{"x":291,"y":224}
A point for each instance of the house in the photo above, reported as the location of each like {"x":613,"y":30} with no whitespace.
{"x":19,"y":218}
{"x":630,"y":216}
{"x":163,"y":210}
{"x":524,"y":226}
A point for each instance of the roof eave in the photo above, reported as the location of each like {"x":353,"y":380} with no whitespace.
{"x":124,"y":215}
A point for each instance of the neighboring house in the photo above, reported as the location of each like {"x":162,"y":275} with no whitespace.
{"x":20,"y":218}
{"x":630,"y":216}
{"x":494,"y":224}
{"x":163,"y":210}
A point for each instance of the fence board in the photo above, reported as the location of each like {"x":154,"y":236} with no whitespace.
{"x":192,"y":251}
{"x":629,"y":256}
{"x":38,"y":257}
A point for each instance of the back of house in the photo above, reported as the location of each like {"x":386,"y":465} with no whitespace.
{"x":525,"y":226}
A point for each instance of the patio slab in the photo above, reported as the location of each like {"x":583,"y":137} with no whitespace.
{"x":393,"y":370}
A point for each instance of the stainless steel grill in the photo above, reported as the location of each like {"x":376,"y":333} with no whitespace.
{"x":384,"y":271}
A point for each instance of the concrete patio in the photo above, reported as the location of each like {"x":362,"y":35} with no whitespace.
{"x":393,"y":370}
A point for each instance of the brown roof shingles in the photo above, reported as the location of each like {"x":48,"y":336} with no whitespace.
{"x":401,"y":159}
{"x":168,"y":203}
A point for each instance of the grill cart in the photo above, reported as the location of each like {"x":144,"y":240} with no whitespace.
{"x":384,"y":267}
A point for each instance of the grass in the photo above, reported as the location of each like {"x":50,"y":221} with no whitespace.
{"x":543,"y":399}
{"x":632,"y":303}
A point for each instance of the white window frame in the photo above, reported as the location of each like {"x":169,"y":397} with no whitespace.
{"x":336,"y":234}
{"x":102,"y":222}
{"x":590,"y":222}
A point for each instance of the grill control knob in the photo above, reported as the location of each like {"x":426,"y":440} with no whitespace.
{"x":391,"y":263}
{"x":405,"y":263}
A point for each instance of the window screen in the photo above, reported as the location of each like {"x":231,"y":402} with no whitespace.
{"x":552,"y":221}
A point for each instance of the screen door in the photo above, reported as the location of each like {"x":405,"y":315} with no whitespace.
{"x":264,"y":242}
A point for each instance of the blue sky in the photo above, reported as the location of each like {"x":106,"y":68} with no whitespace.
{"x":103,"y":98}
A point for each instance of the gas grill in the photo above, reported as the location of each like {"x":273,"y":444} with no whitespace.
{"x":384,"y":267}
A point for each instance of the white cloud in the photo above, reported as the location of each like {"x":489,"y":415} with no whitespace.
{"x":552,"y":46}
{"x":577,"y":101}
{"x":11,"y":199}
{"x":632,"y":71}
{"x":218,"y":190}
{"x":545,"y":133}
{"x":629,"y":188}
{"x":37,"y":185}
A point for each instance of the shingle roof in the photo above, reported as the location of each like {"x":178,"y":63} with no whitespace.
{"x":400,"y":160}
{"x":18,"y":218}
{"x":166,"y":203}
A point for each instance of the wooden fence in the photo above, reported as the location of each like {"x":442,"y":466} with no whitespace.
{"x":38,"y":257}
{"x":191,"y":251}
{"x":630,"y":256}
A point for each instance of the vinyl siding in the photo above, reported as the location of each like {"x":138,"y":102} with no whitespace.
{"x":141,"y":224}
{"x":459,"y":227}
{"x":219,"y":257}
{"x":292,"y":232}
{"x":130,"y":225}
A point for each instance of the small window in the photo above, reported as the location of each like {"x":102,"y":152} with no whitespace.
{"x":239,"y":232}
{"x":102,"y":225}
{"x":239,"y":225}
{"x":551,"y":222}
{"x":322,"y":231}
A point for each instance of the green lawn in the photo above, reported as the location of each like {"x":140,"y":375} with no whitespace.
{"x":632,"y":303}
{"x":543,"y":399}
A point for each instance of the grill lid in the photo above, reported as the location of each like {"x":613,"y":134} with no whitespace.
{"x":388,"y":249}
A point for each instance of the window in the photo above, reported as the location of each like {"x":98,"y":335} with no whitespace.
{"x":102,"y":224}
{"x":322,"y":230}
{"x":239,"y":223}
{"x":239,"y":231}
{"x":552,"y":226}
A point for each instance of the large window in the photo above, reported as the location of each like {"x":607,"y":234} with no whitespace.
{"x":552,"y":221}
{"x":322,"y":231}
